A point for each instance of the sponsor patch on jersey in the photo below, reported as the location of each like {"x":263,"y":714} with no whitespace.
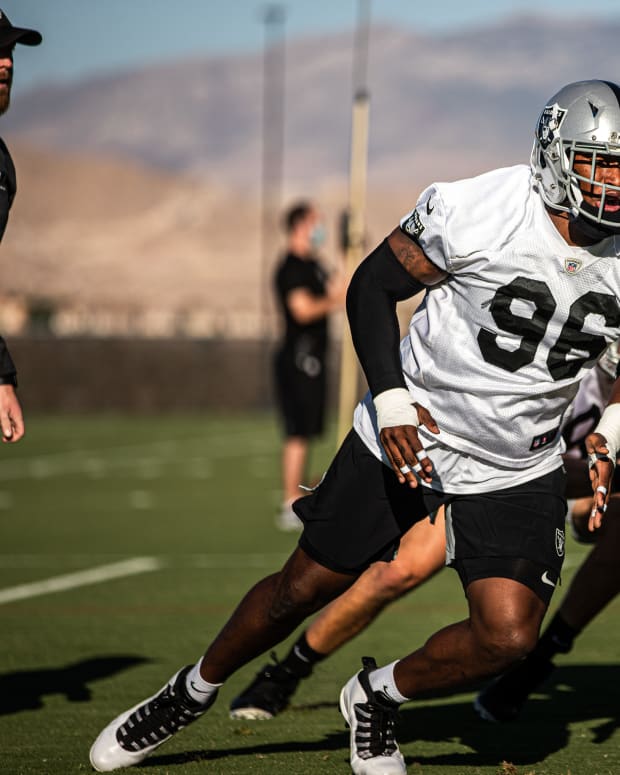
{"x":540,"y":441}
{"x":413,"y":226}
{"x":560,"y":540}
{"x":572,"y":265}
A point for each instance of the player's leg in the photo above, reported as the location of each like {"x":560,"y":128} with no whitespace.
{"x":508,"y":548}
{"x":594,"y":585}
{"x":294,"y":457}
{"x":294,"y":444}
{"x":420,"y":555}
{"x":303,"y":405}
{"x":330,"y":556}
{"x":503,"y":625}
{"x":268,"y":613}
{"x":504,"y":620}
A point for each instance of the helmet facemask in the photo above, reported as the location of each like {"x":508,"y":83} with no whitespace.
{"x":577,"y":134}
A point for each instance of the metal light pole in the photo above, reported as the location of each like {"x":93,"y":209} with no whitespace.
{"x":349,"y":369}
{"x":274,"y":71}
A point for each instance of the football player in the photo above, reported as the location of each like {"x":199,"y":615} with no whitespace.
{"x":596,"y":582}
{"x":421,"y":554}
{"x":522,"y":280}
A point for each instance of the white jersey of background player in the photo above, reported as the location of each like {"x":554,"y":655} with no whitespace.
{"x":590,"y":401}
{"x":520,"y":307}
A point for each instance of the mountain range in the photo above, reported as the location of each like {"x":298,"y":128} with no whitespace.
{"x":457,"y":102}
{"x":142,"y":188}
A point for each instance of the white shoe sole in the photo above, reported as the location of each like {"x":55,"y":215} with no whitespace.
{"x":251,"y":714}
{"x":107,"y":755}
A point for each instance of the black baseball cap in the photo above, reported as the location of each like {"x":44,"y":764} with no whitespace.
{"x":9,"y":35}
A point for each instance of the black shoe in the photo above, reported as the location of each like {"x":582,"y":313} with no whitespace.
{"x":133,"y":735}
{"x":504,"y":698}
{"x":267,"y":695}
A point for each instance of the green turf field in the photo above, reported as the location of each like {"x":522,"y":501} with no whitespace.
{"x":190,"y":501}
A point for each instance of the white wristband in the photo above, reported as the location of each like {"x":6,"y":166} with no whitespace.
{"x":609,"y":427}
{"x":395,"y":407}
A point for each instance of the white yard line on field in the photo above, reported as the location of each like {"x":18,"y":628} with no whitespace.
{"x":136,"y":565}
{"x":82,"y":578}
{"x":130,"y":455}
{"x":234,"y":561}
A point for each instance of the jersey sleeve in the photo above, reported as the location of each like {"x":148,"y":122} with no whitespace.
{"x":455,"y":223}
{"x":426,"y":225}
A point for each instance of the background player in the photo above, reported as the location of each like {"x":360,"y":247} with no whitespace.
{"x":306,"y":296}
{"x":596,"y":582}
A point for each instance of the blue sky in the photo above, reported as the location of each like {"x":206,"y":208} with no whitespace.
{"x":83,"y":37}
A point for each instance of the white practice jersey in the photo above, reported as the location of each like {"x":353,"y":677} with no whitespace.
{"x":497,"y":350}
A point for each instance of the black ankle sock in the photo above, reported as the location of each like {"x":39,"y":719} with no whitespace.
{"x":301,"y":658}
{"x":557,"y":638}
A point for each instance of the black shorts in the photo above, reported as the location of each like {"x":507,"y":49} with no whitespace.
{"x":359,"y":512}
{"x":301,"y":396}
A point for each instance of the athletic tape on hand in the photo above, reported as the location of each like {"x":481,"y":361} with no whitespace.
{"x":395,"y":407}
{"x":594,"y":456}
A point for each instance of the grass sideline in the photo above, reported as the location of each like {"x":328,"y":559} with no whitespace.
{"x":199,"y":494}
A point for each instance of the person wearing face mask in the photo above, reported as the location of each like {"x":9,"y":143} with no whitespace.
{"x":306,"y":295}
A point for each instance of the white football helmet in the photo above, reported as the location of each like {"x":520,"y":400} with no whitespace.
{"x":583,"y":118}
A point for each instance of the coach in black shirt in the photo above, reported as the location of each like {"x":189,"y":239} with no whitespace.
{"x":306,"y":296}
{"x":11,"y":420}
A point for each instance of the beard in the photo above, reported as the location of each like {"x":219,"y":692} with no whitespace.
{"x":5,"y":101}
{"x":6,"y":80}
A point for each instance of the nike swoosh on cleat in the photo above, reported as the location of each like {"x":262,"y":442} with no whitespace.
{"x":546,"y":580}
{"x":196,"y":689}
{"x":298,"y":654}
{"x":429,"y":209}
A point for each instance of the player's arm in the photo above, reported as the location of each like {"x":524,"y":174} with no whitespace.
{"x":11,"y":418}
{"x":396,"y":270}
{"x":603,"y":447}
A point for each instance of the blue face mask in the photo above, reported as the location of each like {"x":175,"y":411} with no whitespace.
{"x":317,"y":236}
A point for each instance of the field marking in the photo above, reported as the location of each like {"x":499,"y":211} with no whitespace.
{"x":156,"y":452}
{"x":224,"y":560}
{"x":80,"y":579}
{"x":232,"y":560}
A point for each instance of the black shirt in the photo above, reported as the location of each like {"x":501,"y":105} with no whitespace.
{"x":294,"y":272}
{"x":8,"y":186}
